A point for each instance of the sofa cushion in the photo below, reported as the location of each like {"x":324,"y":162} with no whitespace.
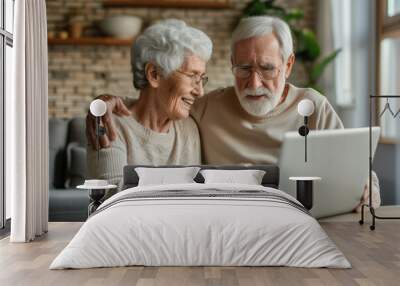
{"x":76,"y":153}
{"x":57,"y":159}
{"x":76,"y":165}
{"x":68,"y":205}
{"x":77,"y":131}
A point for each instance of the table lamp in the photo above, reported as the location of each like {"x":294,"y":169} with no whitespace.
{"x":97,"y":188}
{"x":305,"y":108}
{"x":98,"y":108}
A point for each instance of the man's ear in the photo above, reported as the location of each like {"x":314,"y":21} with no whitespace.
{"x":289,"y":65}
{"x":152,"y":75}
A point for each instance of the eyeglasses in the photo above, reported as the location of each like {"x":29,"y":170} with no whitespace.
{"x":195,"y":78}
{"x":267,"y":72}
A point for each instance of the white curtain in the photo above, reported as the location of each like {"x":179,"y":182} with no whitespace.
{"x":390,"y":84}
{"x":27,"y":124}
{"x":335,"y":32}
{"x":348,"y":25}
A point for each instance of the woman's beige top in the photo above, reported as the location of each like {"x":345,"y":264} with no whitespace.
{"x":138,"y":145}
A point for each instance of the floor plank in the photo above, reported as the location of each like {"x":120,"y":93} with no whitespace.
{"x":375,"y":257}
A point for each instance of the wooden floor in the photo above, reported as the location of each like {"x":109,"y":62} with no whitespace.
{"x":375,"y":257}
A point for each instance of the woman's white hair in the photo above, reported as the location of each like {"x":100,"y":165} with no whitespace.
{"x":166,"y":44}
{"x":257,"y":26}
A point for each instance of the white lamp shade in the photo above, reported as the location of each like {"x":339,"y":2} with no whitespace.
{"x":98,"y":107}
{"x":305,"y":107}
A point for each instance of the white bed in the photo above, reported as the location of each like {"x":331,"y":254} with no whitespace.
{"x":223,"y":225}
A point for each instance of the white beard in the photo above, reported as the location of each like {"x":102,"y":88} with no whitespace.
{"x":260,"y":107}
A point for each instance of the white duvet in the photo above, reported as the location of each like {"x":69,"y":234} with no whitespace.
{"x":183,"y":231}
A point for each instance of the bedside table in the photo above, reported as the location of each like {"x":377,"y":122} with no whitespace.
{"x":304,"y":190}
{"x":96,"y":194}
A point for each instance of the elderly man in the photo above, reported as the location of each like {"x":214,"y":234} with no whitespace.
{"x":246,"y":123}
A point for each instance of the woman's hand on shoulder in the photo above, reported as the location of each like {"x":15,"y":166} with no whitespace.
{"x":115,"y":105}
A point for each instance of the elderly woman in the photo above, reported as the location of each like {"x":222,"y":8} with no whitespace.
{"x":168,"y":63}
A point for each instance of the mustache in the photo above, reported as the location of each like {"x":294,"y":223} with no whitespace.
{"x":258,"y":91}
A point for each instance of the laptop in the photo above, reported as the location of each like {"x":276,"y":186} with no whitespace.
{"x":340,"y":157}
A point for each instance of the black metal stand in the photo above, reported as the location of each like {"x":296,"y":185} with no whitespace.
{"x":369,"y":205}
{"x":303,"y":131}
{"x":100,"y":131}
{"x":304,"y":193}
{"x":304,"y":190}
{"x":95,"y":195}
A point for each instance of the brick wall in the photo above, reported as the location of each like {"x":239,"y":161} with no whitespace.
{"x":79,"y":73}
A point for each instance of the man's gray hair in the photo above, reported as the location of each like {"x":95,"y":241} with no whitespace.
{"x":258,"y":26}
{"x":166,"y":44}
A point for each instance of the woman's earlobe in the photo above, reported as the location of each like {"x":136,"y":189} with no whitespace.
{"x":152,"y":75}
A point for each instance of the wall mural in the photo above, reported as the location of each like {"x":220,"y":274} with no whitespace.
{"x":173,"y":92}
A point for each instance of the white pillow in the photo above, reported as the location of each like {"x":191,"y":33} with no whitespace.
{"x":165,"y":176}
{"x":248,"y":177}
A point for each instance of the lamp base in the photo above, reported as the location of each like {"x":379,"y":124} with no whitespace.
{"x":304,"y":193}
{"x":96,"y":196}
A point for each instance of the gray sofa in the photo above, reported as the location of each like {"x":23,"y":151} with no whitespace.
{"x":67,"y":169}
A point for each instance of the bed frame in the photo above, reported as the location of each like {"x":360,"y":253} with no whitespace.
{"x":270,"y":179}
